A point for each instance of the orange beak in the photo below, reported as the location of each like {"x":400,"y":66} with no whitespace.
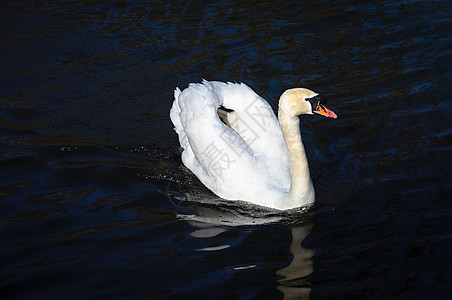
{"x":322,"y":110}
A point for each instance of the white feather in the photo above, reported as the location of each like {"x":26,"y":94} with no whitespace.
{"x":248,"y":160}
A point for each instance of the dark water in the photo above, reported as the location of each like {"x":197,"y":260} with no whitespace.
{"x":88,"y":173}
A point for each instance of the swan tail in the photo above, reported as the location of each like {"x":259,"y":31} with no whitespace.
{"x":175,"y":118}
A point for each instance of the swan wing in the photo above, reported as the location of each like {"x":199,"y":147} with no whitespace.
{"x":254,"y":121}
{"x":247,"y":160}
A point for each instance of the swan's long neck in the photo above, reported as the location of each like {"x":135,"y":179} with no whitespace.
{"x":301,"y":189}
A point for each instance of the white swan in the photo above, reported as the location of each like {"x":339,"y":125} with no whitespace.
{"x":247,"y":155}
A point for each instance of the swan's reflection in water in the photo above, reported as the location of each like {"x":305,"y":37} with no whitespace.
{"x":294,"y":285}
{"x":212,"y":221}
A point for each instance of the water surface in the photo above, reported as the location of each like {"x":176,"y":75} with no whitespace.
{"x":90,"y":179}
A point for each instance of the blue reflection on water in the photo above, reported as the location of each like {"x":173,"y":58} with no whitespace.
{"x":86,"y":149}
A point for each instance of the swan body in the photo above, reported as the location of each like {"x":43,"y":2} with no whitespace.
{"x":247,"y":154}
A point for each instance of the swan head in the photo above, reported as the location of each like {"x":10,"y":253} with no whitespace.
{"x":301,"y":101}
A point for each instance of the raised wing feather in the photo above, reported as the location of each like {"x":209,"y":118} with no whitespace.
{"x":248,"y":160}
